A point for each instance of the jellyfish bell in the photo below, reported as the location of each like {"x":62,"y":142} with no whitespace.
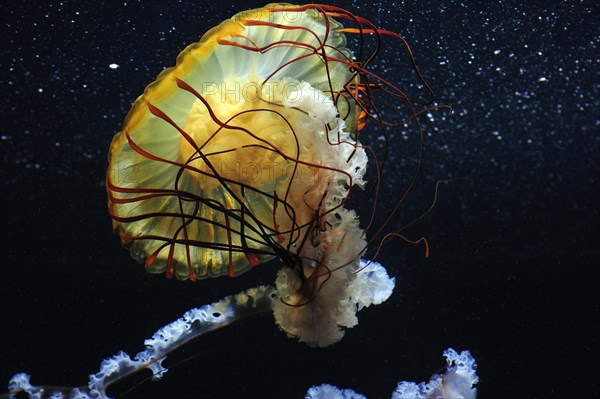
{"x":236,"y":153}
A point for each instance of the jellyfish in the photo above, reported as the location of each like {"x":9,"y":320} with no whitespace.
{"x":221,"y":166}
{"x":251,"y":151}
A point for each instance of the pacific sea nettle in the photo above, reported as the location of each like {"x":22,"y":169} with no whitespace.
{"x":247,"y":150}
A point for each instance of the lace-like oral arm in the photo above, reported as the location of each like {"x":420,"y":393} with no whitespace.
{"x":194,"y":323}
